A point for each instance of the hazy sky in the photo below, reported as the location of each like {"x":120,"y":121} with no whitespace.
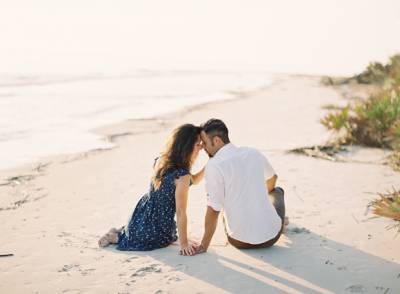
{"x":307,"y":36}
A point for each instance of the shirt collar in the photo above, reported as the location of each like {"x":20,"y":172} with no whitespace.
{"x":224,"y":150}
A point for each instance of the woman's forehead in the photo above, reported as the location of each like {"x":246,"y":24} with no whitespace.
{"x":203,"y":136}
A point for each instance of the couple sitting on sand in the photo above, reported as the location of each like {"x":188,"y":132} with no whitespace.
{"x":239,"y":180}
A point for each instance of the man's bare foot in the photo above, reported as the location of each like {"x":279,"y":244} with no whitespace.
{"x":286,"y":221}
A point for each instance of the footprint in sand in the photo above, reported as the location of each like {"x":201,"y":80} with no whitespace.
{"x":70,"y":240}
{"x":76,"y":267}
{"x":87,"y":271}
{"x":355,"y":289}
{"x":77,"y":291}
{"x":68,"y":267}
{"x":143,"y":271}
{"x":174,"y":279}
{"x":130,"y":259}
{"x":64,"y":234}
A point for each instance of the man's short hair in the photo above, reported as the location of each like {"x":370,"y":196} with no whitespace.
{"x":216,"y":128}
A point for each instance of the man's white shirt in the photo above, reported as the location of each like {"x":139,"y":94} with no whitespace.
{"x":235,"y":183}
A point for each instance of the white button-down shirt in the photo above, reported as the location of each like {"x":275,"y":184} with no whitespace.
{"x":235,"y":183}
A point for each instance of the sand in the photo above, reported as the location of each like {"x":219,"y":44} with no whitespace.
{"x":52,"y":218}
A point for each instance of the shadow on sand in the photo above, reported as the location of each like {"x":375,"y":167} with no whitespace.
{"x":302,"y":262}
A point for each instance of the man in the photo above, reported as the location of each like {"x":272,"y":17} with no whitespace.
{"x":241,"y":182}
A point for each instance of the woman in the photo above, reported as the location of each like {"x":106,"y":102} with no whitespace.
{"x":152,"y":223}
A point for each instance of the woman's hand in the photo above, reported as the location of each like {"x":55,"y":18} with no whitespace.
{"x":188,"y":249}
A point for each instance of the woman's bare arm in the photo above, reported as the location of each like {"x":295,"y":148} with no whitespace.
{"x":181,"y":196}
{"x":196,"y":178}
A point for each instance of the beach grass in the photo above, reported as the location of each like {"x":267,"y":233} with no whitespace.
{"x":388,"y":205}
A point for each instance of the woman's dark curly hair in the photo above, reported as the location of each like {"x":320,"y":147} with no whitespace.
{"x":177,"y":153}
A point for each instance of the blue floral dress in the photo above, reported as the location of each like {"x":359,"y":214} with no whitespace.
{"x":152,"y":223}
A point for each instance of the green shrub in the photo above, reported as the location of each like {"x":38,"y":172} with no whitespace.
{"x":375,"y":73}
{"x":375,"y":121}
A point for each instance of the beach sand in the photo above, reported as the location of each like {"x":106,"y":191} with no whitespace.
{"x":52,"y":217}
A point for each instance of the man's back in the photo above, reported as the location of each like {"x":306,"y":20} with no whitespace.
{"x":235,"y":182}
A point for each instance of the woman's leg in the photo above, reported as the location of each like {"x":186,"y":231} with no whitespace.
{"x":114,"y":236}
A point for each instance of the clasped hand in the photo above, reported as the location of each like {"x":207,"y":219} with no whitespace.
{"x":191,"y":248}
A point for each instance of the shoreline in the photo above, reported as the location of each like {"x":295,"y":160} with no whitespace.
{"x":66,"y":115}
{"x":108,"y":133}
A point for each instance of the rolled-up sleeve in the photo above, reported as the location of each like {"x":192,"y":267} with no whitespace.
{"x":269,"y":172}
{"x":214,"y":187}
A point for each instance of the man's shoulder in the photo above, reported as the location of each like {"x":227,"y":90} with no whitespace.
{"x":211,"y":164}
{"x":249,"y":150}
{"x":212,"y":170}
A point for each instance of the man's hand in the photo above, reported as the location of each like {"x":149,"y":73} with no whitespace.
{"x":188,"y":249}
{"x":271,"y":183}
{"x":200,"y":249}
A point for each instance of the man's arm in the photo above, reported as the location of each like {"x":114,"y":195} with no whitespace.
{"x":210,"y":224}
{"x":215,"y":201}
{"x":269,"y":173}
{"x":271,"y":182}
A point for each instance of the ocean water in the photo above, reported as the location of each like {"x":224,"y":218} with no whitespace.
{"x":49,"y":115}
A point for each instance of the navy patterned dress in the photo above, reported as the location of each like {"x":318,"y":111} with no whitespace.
{"x":152,"y":223}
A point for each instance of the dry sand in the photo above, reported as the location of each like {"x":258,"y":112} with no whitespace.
{"x":51,"y":221}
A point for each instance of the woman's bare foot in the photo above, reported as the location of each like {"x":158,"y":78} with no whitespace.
{"x":113,"y":237}
{"x":110,"y":238}
{"x":103,"y":241}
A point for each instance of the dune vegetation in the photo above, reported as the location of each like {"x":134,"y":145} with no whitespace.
{"x":373,"y":122}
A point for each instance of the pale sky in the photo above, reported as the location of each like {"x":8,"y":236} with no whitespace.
{"x":94,"y":36}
